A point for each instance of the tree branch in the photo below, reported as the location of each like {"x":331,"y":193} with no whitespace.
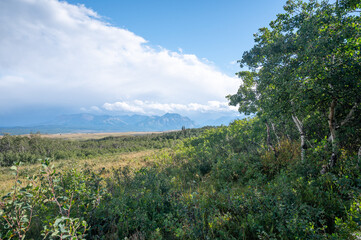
{"x":298,"y":123}
{"x":349,"y":116}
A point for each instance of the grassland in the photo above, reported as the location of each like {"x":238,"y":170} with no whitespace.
{"x":103,"y":164}
{"x":99,"y":152}
{"x":89,"y":136}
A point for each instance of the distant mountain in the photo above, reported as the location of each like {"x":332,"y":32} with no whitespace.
{"x":90,"y":123}
{"x":106,"y":123}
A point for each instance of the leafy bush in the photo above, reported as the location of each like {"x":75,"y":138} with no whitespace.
{"x":50,"y":205}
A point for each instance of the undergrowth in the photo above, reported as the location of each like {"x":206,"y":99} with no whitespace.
{"x":224,"y":184}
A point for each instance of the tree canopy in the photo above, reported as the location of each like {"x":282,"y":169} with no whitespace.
{"x":306,"y":67}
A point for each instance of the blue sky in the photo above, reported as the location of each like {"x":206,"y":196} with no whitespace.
{"x":219,"y":31}
{"x":123,"y":57}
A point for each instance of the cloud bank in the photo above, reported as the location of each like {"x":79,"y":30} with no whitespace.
{"x":56,"y":54}
{"x":146,"y":107}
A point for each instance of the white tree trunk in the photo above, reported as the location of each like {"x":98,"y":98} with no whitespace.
{"x":277,"y":137}
{"x":270,"y":146}
{"x":299,"y":126}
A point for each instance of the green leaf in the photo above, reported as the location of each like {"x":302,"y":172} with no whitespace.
{"x":57,"y":221}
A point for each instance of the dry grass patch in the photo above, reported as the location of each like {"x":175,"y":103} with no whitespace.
{"x":88,"y":136}
{"x":133,"y":160}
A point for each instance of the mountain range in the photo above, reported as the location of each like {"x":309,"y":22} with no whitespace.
{"x":106,"y":123}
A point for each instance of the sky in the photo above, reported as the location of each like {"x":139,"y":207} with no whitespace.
{"x":124,"y":56}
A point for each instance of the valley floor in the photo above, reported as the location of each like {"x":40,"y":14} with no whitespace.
{"x":88,"y":136}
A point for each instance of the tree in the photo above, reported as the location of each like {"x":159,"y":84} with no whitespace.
{"x":306,"y":68}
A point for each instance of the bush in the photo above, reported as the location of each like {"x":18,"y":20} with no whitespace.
{"x":50,"y":204}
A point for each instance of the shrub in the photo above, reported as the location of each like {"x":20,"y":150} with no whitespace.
{"x":51,"y":204}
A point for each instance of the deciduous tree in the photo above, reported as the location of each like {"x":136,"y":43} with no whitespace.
{"x":306,"y":67}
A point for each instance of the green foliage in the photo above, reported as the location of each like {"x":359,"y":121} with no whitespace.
{"x":351,"y":224}
{"x":224,"y":184}
{"x":66,"y":228}
{"x":16,"y":210}
{"x":50,"y":205}
{"x":306,"y":64}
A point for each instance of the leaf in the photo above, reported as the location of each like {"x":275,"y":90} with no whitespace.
{"x":62,"y":228}
{"x":57,"y":221}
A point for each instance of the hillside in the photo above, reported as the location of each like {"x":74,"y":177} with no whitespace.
{"x":224,"y":183}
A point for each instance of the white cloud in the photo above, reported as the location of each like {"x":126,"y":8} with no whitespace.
{"x":60,"y":54}
{"x":123,"y":106}
{"x":146,"y":107}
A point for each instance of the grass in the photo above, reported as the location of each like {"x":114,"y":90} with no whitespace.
{"x":104,"y":163}
{"x":88,"y":136}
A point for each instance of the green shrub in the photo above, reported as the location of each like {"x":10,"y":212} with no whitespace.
{"x":50,"y":205}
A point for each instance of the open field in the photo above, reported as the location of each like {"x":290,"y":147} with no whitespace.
{"x":133,"y":160}
{"x":86,"y":136}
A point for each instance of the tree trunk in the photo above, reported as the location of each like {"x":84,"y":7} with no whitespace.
{"x":333,"y":133}
{"x":333,"y":136}
{"x":299,"y":126}
{"x":277,"y":137}
{"x":269,"y":140}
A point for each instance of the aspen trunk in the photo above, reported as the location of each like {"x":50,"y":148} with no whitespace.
{"x":299,"y":126}
{"x":333,"y":133}
{"x":269,"y":139}
{"x":277,"y":137}
{"x":333,"y":136}
{"x":333,"y":130}
{"x":303,"y":149}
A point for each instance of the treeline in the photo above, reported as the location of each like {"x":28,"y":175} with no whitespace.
{"x":28,"y":149}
